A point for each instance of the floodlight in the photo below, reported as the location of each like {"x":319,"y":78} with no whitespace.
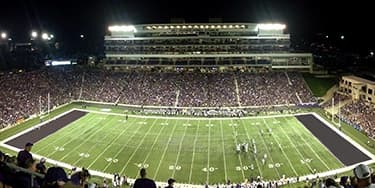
{"x":82,"y":36}
{"x":148,"y":27}
{"x":34,"y":34}
{"x":372,"y":53}
{"x":51,"y":36}
{"x":342,"y":37}
{"x":122,"y":28}
{"x":166,"y":27}
{"x":178,"y":27}
{"x":44,"y":36}
{"x":271,"y":26}
{"x":189,"y":26}
{"x":3,"y":35}
{"x":172,"y":27}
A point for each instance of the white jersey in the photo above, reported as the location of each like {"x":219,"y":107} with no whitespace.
{"x":238,"y":147}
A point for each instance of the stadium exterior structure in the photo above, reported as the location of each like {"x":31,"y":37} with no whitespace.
{"x":203,"y":45}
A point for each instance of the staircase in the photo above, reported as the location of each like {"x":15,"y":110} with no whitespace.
{"x":177,"y":95}
{"x":237,"y":92}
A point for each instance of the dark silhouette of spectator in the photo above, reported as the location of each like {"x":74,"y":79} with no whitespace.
{"x":24,"y":155}
{"x":81,"y":177}
{"x":24,"y":179}
{"x":41,"y":167}
{"x":56,"y":178}
{"x":144,"y":182}
{"x":363,"y":174}
{"x":171,"y":182}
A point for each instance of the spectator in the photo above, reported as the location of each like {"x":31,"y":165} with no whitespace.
{"x":23,"y":179}
{"x":24,"y":155}
{"x":41,"y":167}
{"x":171,"y":182}
{"x":331,"y":183}
{"x":57,"y":178}
{"x":144,"y":182}
{"x":81,"y":177}
{"x":363,"y":174}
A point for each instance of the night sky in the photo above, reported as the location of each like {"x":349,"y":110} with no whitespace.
{"x":67,"y":19}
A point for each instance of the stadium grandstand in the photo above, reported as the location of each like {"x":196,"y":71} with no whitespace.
{"x":196,"y":45}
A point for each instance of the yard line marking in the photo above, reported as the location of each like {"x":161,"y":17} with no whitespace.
{"x":124,"y":146}
{"x":96,"y":143}
{"x":225,"y":162}
{"x":83,"y":142}
{"x":192,"y":159}
{"x":112,"y":142}
{"x":294,"y":146}
{"x":136,"y":149}
{"x":287,"y":158}
{"x":179,"y":151}
{"x":152,"y":146}
{"x":165,"y":150}
{"x":256,"y":159}
{"x":236,"y":142}
{"x":82,"y":133}
{"x":294,"y":130}
{"x":208,"y":152}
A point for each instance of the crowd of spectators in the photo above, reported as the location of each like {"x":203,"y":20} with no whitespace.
{"x":22,"y":93}
{"x":272,"y":88}
{"x":337,"y":98}
{"x":24,"y":171}
{"x":361,"y":115}
{"x":26,"y":93}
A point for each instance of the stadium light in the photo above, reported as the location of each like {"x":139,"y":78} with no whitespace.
{"x":45,"y":36}
{"x":326,"y":36}
{"x":82,"y":36}
{"x":51,"y":36}
{"x":342,"y":37}
{"x":271,"y":26}
{"x":4,"y":35}
{"x":122,"y":28}
{"x":34,"y":34}
{"x":371,"y":53}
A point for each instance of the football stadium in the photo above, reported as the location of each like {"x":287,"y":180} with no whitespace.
{"x":207,"y":104}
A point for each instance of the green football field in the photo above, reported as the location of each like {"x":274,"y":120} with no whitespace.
{"x":192,"y":150}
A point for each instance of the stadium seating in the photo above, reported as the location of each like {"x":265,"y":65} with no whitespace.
{"x":24,"y":94}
